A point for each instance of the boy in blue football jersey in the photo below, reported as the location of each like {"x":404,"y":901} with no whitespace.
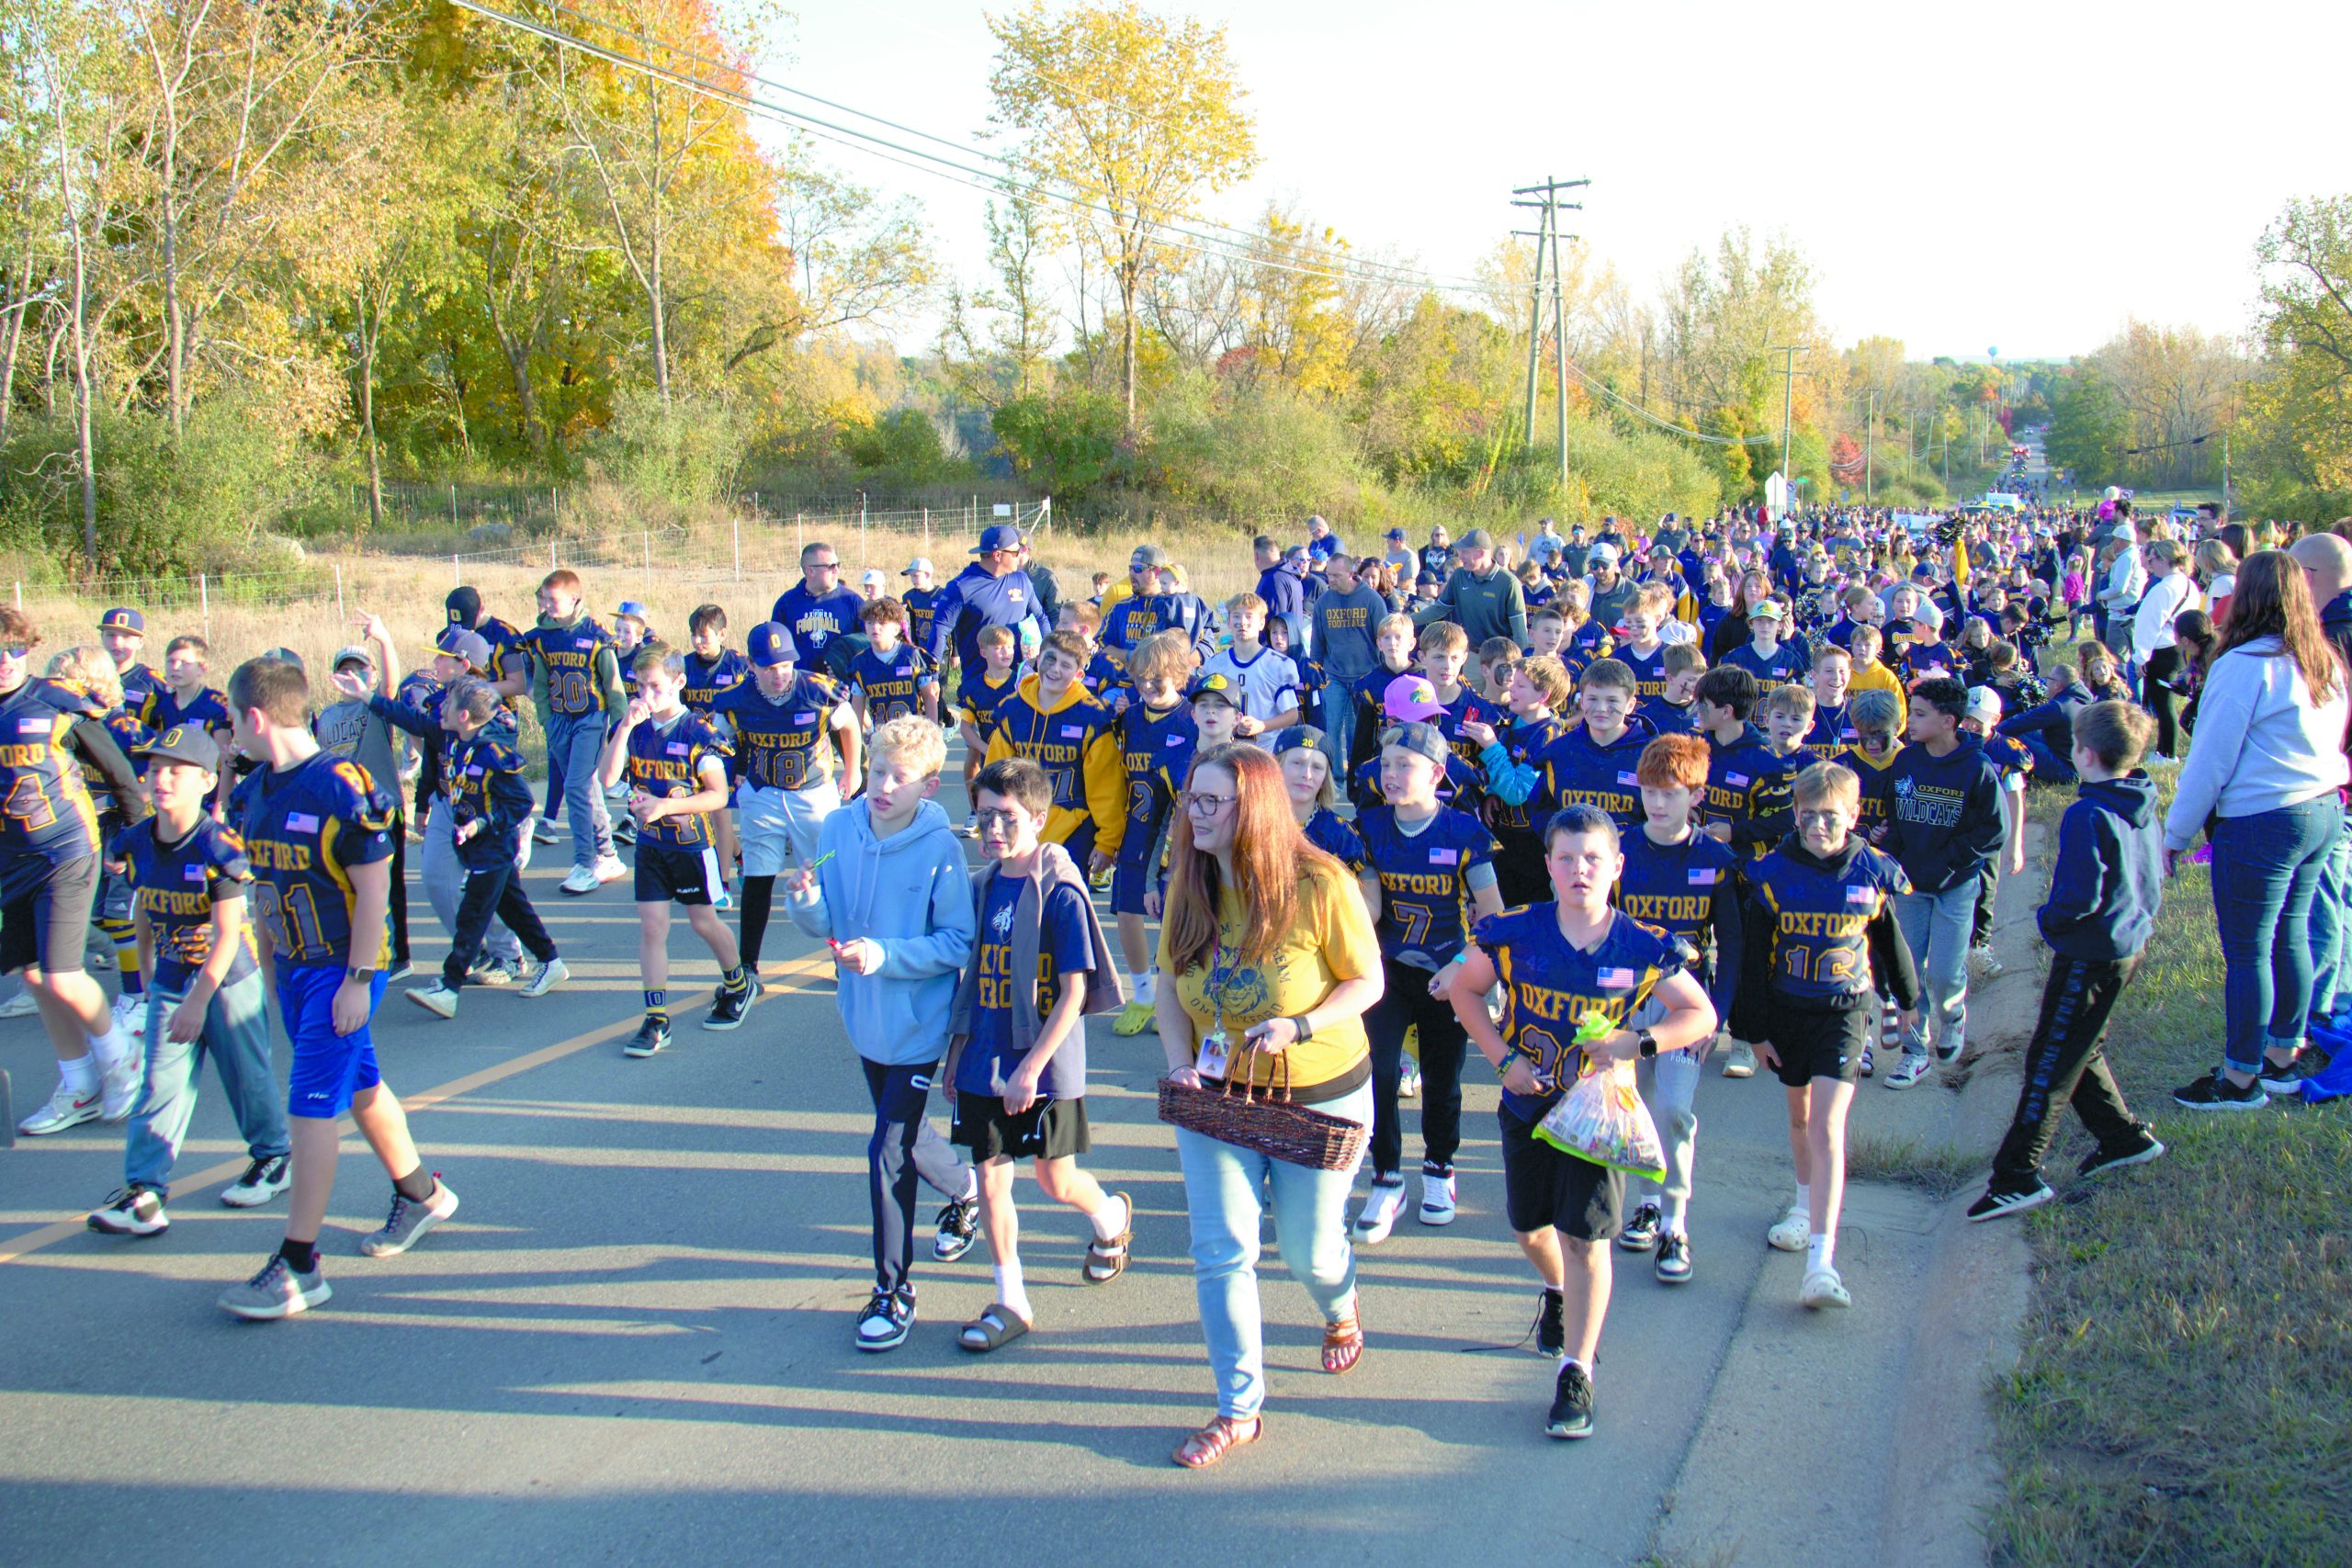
{"x":1559,"y":963}
{"x":979,"y":694}
{"x":189,"y":877}
{"x":574,"y":677}
{"x":785,"y":724}
{"x":490,"y":804}
{"x":317,"y":830}
{"x":1820,"y":924}
{"x":890,"y":677}
{"x":1593,"y":763}
{"x":1682,"y":882}
{"x":1435,"y":866}
{"x":1158,"y":740}
{"x":676,"y":765}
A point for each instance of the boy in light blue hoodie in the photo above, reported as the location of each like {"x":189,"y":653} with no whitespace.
{"x":889,"y":894}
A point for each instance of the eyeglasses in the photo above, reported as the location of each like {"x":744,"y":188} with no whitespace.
{"x":1202,"y":804}
{"x":15,"y":649}
{"x":824,"y":566}
{"x":1007,"y":820}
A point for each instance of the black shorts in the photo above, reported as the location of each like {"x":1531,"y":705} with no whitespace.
{"x":667,"y":874}
{"x":1821,"y":1044}
{"x":1047,"y":1130}
{"x":46,"y":917}
{"x":1543,"y":1186}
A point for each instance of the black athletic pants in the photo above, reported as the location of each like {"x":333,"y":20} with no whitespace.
{"x":1406,"y":1004}
{"x":492,"y":890}
{"x":904,"y":1147}
{"x":2066,"y":1064}
{"x":2155,"y":691}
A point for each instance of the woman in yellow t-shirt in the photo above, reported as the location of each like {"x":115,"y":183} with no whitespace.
{"x":1273,"y":962}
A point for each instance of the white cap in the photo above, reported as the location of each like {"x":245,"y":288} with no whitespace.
{"x":1984,"y":704}
{"x":874,"y":578}
{"x":1602,"y":555}
{"x":918,"y":567}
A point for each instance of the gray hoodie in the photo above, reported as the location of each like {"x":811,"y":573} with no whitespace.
{"x":910,"y":894}
{"x":1065,"y":1074}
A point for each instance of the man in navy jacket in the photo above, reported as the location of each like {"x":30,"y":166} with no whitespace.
{"x":991,"y":592}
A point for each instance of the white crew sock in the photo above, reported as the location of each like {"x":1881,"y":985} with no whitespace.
{"x":112,"y":1049}
{"x":1567,"y":1361}
{"x":1803,"y":1202}
{"x":1821,"y":1252}
{"x":1148,"y":987}
{"x":1111,"y":1218}
{"x":80,"y":1076}
{"x":1012,"y":1292}
{"x":1674,"y":1214}
{"x":971,"y":1186}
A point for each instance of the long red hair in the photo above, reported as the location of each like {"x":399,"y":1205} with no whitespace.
{"x":1270,"y":855}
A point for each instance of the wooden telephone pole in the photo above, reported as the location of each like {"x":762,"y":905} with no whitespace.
{"x":1547,"y":240}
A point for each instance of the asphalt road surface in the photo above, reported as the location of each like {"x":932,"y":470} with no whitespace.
{"x":634,"y":1341}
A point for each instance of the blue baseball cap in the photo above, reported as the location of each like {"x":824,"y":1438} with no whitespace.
{"x":998,"y":536}
{"x":1295,"y":737}
{"x":123,"y":620}
{"x":769,"y":645}
{"x":635,"y":610}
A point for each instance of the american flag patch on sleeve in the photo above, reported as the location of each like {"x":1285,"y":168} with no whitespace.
{"x":1445,"y":857}
{"x":1702,"y":877}
{"x":1073,"y":731}
{"x":1737,"y":781}
{"x":1614,"y":979}
{"x":1861,"y":894}
{"x":301,"y":822}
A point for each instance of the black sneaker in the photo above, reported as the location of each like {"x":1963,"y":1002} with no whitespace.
{"x":2217,"y":1093}
{"x":2289,"y":1079}
{"x":886,"y":1321}
{"x":727,"y":1008}
{"x":1571,"y":1404}
{"x":1673,"y":1264}
{"x":1999,"y":1200}
{"x":1640,"y":1234}
{"x":652,"y":1035}
{"x":2098,"y":1162}
{"x":960,"y":1227}
{"x":1551,"y":1324}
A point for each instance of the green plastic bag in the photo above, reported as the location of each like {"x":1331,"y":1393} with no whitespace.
{"x":1601,"y":1118}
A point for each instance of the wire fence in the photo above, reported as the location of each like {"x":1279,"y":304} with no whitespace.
{"x":753,"y":548}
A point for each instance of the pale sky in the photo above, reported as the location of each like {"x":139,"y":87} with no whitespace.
{"x":1962,"y":180}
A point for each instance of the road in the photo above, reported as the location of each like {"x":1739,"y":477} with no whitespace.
{"x":634,"y":1340}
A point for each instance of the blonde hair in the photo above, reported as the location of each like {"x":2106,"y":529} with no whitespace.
{"x":91,"y":668}
{"x":1829,"y":783}
{"x":913,"y":741}
{"x":1791,"y":699}
{"x":1163,"y":653}
{"x":1445,"y":636}
{"x":1397,"y":622}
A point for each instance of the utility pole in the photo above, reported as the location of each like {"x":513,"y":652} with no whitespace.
{"x":1548,"y":238}
{"x":1870,"y":449}
{"x":1788,"y":395}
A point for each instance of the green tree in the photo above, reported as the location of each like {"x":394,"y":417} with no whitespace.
{"x":2298,"y":410}
{"x":1135,"y":115}
{"x":1067,"y":443}
{"x":2089,"y":427}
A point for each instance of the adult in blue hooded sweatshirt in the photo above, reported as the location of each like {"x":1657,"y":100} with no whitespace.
{"x":2104,"y":893}
{"x":890,"y":892}
{"x":991,"y":592}
{"x":1944,"y":825}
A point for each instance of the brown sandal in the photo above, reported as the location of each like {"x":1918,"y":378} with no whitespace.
{"x":1219,"y":1437}
{"x":1343,"y":1341}
{"x":1112,"y":1255}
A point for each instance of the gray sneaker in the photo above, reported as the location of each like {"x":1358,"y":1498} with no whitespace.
{"x":410,"y":1220}
{"x":276,"y":1291}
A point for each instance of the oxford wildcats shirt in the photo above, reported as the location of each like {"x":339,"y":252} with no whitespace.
{"x":1748,"y":791}
{"x":567,"y":653}
{"x":1159,"y":749}
{"x":706,"y":678}
{"x":1818,"y":927}
{"x":1424,"y":880}
{"x":162,"y":709}
{"x":1832,"y":733}
{"x":665,"y":761}
{"x":1580,"y":771}
{"x":177,"y":885}
{"x":781,"y":743}
{"x":1128,"y":622}
{"x":1550,"y":988}
{"x":1688,"y":890}
{"x":892,"y":682}
{"x":46,"y":814}
{"x":304,"y":827}
{"x":1649,"y":669}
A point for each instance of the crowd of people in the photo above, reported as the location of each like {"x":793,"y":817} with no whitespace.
{"x":1618,"y":803}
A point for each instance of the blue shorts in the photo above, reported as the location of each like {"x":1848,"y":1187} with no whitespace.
{"x":329,"y":1068}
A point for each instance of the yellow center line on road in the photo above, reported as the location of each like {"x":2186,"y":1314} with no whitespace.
{"x":777,"y":984}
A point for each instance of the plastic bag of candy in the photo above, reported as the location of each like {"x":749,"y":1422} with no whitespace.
{"x":1602,"y":1119}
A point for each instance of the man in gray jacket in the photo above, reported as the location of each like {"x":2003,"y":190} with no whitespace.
{"x":1484,"y":600}
{"x":1347,"y":621}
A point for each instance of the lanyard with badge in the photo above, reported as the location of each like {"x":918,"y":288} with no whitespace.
{"x":1216,"y":1059}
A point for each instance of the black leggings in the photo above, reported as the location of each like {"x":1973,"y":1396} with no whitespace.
{"x":759,"y":898}
{"x":2162,"y":666}
{"x":1407,"y":1003}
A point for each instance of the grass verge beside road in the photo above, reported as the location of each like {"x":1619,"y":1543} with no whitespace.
{"x":2184,"y":1393}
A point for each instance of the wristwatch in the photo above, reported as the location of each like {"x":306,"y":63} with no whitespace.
{"x":1646,"y":1044}
{"x":352,"y":974}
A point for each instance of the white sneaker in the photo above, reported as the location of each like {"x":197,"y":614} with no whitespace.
{"x":1739,"y":1062}
{"x":263,"y":1179}
{"x":542,"y":830}
{"x":971,"y":828}
{"x":1823,"y":1288}
{"x":1980,"y":955}
{"x":131,"y":1015}
{"x":584,"y":879}
{"x":546,"y":979}
{"x":439,"y":997}
{"x":21,"y":1005}
{"x":1409,"y":1086}
{"x":1437,"y":1199}
{"x":1949,"y":1047}
{"x":1378,"y":1215}
{"x":1791,"y":1231}
{"x":119,"y":1088}
{"x":64,"y":1109}
{"x":1908,"y":1071}
{"x":612,"y":868}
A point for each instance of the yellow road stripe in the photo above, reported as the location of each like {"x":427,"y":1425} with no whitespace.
{"x":778,"y":984}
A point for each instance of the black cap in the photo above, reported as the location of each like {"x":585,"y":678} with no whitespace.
{"x":185,"y":743}
{"x":465,"y":606}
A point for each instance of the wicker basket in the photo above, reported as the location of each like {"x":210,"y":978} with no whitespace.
{"x":1266,"y":1120}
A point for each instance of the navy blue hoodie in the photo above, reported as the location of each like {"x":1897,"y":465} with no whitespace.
{"x":2051,"y":723}
{"x":2110,"y":872}
{"x":1944,"y":814}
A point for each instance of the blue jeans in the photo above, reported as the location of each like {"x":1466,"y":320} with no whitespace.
{"x":1225,"y":1189}
{"x":2048,"y":766}
{"x":574,"y":742}
{"x":1936,"y":926}
{"x":236,"y":1034}
{"x":2267,"y":871}
{"x":1339,"y":725}
{"x":2332,"y":924}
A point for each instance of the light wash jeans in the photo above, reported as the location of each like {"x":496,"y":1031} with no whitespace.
{"x":1673,"y":1083}
{"x":1339,"y":727}
{"x":2332,"y":926}
{"x":444,"y":882}
{"x":236,"y":1036}
{"x":574,"y":742}
{"x":1225,"y":1189}
{"x":1936,"y":925}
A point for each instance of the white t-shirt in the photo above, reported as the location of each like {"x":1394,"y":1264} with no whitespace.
{"x":2165,"y":598}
